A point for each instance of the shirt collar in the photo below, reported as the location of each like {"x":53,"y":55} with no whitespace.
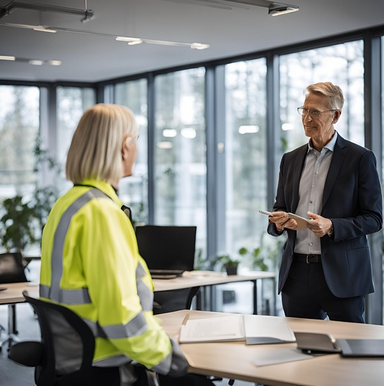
{"x":329,"y":146}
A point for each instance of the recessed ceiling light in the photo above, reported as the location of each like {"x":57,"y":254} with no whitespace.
{"x":199,"y":46}
{"x":11,"y":58}
{"x":35,"y":62}
{"x":54,"y":62}
{"x":43,"y":29}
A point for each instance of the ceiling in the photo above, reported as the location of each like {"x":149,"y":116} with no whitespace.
{"x":97,"y":56}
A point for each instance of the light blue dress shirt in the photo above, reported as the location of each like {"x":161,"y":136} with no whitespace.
{"x":311,"y":189}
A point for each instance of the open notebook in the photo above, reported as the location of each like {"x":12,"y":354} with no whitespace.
{"x":250,"y":328}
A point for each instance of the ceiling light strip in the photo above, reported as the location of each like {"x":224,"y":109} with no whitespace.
{"x":129,"y":40}
{"x":35,"y":62}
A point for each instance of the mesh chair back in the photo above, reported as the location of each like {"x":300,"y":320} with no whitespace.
{"x":68,"y":348}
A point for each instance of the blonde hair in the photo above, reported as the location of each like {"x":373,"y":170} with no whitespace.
{"x":95,"y":150}
{"x":332,"y":92}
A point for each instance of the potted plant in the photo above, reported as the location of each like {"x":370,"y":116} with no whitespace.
{"x":22,"y":220}
{"x":228,"y":263}
{"x":23,"y":217}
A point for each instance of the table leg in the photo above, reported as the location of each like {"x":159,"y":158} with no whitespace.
{"x":254,"y":297}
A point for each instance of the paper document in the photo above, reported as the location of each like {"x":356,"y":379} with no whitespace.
{"x":249,"y":328}
{"x":266,"y":330}
{"x":223,"y":329}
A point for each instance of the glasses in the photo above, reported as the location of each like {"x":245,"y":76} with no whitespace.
{"x":312,"y":113}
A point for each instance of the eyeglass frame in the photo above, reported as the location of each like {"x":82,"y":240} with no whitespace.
{"x":312,"y":113}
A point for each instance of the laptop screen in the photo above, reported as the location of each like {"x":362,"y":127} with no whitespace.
{"x":167,"y":248}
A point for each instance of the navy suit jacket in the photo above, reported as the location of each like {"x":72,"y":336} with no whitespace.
{"x":352,"y":199}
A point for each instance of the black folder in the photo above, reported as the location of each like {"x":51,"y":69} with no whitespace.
{"x":361,"y":347}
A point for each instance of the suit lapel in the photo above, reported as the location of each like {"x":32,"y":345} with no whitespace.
{"x":340,"y":152}
{"x":300,"y":160}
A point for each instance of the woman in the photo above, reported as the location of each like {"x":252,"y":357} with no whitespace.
{"x":90,"y":261}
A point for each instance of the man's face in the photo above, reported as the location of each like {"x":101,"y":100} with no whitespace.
{"x":319,"y":127}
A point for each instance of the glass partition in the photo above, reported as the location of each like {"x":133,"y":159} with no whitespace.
{"x":19,"y":128}
{"x":245,"y":153}
{"x":180,"y":151}
{"x":341,"y":64}
{"x":133,"y":190}
{"x":71,"y":103}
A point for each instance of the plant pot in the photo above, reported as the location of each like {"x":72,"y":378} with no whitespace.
{"x":231,"y":268}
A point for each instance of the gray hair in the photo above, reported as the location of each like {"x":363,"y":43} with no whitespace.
{"x":332,"y":92}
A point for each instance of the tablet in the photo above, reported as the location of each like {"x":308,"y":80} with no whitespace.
{"x":301,"y":221}
{"x":265,"y":212}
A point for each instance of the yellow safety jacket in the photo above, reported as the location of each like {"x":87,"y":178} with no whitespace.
{"x":90,"y":263}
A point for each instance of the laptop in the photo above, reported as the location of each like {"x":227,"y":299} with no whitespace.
{"x":167,"y":250}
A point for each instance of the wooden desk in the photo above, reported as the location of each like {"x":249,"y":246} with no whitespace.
{"x":14,"y":292}
{"x":234,"y":359}
{"x":11,"y":296}
{"x":206,"y":279}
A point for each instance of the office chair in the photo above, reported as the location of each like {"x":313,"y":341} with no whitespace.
{"x":168,"y":301}
{"x":11,"y":271}
{"x":53,"y":320}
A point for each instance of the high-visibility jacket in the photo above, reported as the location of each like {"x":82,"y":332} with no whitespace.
{"x":90,"y":263}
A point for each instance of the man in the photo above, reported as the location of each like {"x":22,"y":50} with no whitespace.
{"x":326,"y":268}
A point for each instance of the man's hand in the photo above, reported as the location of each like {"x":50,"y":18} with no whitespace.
{"x":319,"y":225}
{"x":282,"y":221}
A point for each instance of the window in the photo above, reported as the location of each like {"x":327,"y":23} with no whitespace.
{"x":245,"y":153}
{"x":133,"y":191}
{"x":19,"y":131}
{"x":180,"y":151}
{"x":71,"y":103}
{"x":341,"y":64}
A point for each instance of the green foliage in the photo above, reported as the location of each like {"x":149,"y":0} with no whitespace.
{"x":42,"y":157}
{"x":21,"y":221}
{"x":266,"y":256}
{"x":256,"y":257}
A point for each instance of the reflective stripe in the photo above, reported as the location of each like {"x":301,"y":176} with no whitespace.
{"x":66,"y":296}
{"x":140,"y":271}
{"x":116,"y":361}
{"x":96,"y":329}
{"x":164,"y":366}
{"x":136,"y":326}
{"x":145,"y":294}
{"x":55,"y":293}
